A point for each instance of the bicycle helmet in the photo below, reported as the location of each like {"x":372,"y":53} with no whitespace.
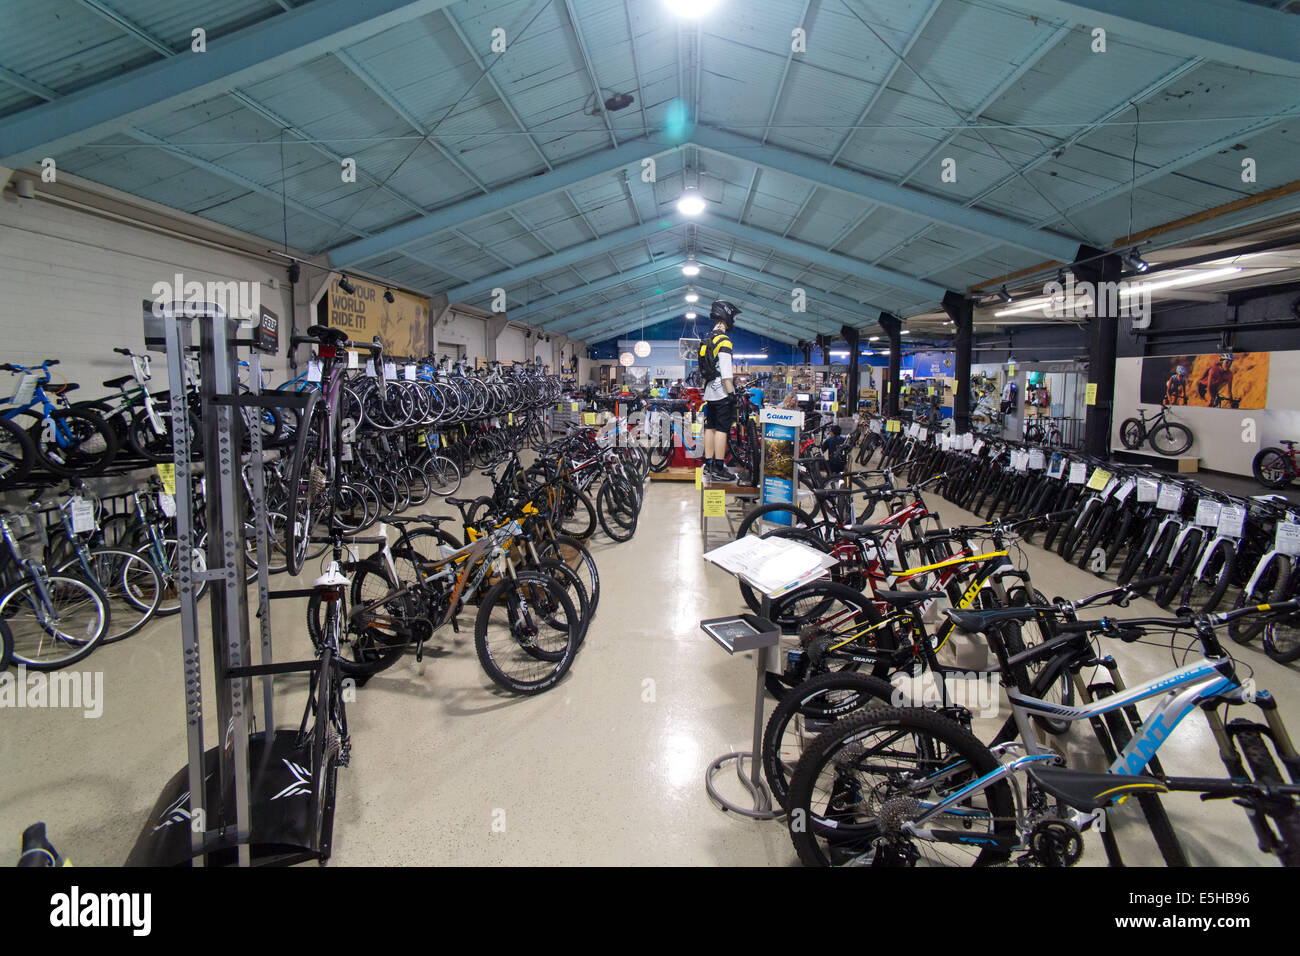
{"x":1226,"y":358}
{"x":1181,"y":371}
{"x":725,"y":312}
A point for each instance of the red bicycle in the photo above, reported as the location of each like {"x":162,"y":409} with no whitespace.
{"x":1275,"y":468}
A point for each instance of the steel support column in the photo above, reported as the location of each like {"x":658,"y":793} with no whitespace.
{"x":851,"y":336}
{"x":893,"y":327}
{"x":962,"y":312}
{"x":1103,"y":329}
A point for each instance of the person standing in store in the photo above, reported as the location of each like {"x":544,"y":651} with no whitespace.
{"x":719,"y":390}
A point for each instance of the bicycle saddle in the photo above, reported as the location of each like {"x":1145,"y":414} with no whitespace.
{"x":833,"y":492}
{"x":117,"y":382}
{"x":459,"y":502}
{"x":418,"y":519}
{"x":1087,"y":790}
{"x":62,"y":389}
{"x":326,"y":335}
{"x":975,"y":622}
{"x":867,"y":529}
{"x":904,"y":598}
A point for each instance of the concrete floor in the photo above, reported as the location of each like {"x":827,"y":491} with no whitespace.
{"x":605,"y":769}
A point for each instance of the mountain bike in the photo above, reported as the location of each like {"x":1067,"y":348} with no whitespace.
{"x":1274,"y":467}
{"x":1166,"y":437}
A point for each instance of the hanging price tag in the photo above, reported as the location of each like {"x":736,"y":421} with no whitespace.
{"x":370,"y":368}
{"x":589,"y":418}
{"x":25,"y":390}
{"x":167,"y":503}
{"x":409,"y":373}
{"x":167,"y":472}
{"x":573,"y":406}
{"x":1232,"y":521}
{"x":1287,"y":537}
{"x":1125,"y":489}
{"x":873,"y":426}
{"x":1207,"y":512}
{"x":313,"y":370}
{"x":1036,"y":461}
{"x":1098,"y":480}
{"x":390,"y":370}
{"x":1148,"y":489}
{"x":1109,"y":489}
{"x":699,"y":477}
{"x":1171,"y":497}
{"x":354,"y":360}
{"x":893,"y":426}
{"x":922,"y":434}
{"x":1078,"y":473}
{"x":978,"y":447}
{"x":510,"y":418}
{"x":82,"y":513}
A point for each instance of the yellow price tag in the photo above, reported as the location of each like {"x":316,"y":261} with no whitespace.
{"x":695,"y":428}
{"x":1099,"y":478}
{"x":588,"y":418}
{"x":835,"y":407}
{"x":893,"y":425}
{"x":715,"y":503}
{"x":167,"y":473}
{"x":573,"y":406}
{"x":929,"y":390}
{"x":419,"y":439}
{"x":1090,"y":394}
{"x":699,"y":477}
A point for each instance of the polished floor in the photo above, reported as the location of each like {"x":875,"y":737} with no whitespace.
{"x":605,"y":769}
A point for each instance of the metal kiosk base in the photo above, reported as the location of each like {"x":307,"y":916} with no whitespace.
{"x":734,"y":634}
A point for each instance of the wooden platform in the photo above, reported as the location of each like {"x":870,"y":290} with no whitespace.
{"x":673,"y":474}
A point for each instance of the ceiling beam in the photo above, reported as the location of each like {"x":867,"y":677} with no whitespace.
{"x":905,"y":199}
{"x":268,"y":48}
{"x":1228,"y":31}
{"x":502,"y":197}
{"x":815,"y":295}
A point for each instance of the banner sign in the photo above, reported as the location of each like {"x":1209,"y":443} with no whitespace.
{"x":404,"y":326}
{"x":1210,"y":380}
{"x":780,"y":446}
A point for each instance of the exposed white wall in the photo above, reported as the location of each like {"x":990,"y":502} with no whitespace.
{"x":1220,"y":434}
{"x":74,"y":283}
{"x":462,"y":329}
{"x":510,"y":345}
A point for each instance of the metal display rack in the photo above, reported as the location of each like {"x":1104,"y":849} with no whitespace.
{"x":249,"y":799}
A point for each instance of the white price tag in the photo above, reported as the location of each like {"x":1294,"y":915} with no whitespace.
{"x":1036,"y":460}
{"x":409,"y":373}
{"x":1207,"y":512}
{"x":1232,"y":521}
{"x":978,"y":447}
{"x":1170,"y":497}
{"x":83,"y":515}
{"x":26,"y":388}
{"x":1287,"y":537}
{"x":370,"y":368}
{"x":167,"y":503}
{"x":1148,"y":489}
{"x":313,"y":370}
{"x":923,"y":433}
{"x":1110,"y":487}
{"x":347,"y":451}
{"x":1124,"y":490}
{"x":1078,"y":472}
{"x":354,"y":360}
{"x":390,"y":370}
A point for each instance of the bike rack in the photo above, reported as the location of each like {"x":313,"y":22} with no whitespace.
{"x":239,"y":801}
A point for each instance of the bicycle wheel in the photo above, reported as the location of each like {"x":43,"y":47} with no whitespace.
{"x":74,"y":443}
{"x":129,"y":582}
{"x":443,"y":475}
{"x":371,"y":642}
{"x":1271,"y":583}
{"x":1282,"y":637}
{"x":825,"y":614}
{"x":572,"y":512}
{"x":58,"y":632}
{"x":6,"y":645}
{"x":1220,"y":569}
{"x":618,"y":516}
{"x":526,"y":633}
{"x":1170,"y":439}
{"x":1272,"y":468}
{"x":170,"y":602}
{"x":865,"y":776}
{"x":17,"y":453}
{"x":1180,"y":566}
{"x":810,"y":709}
{"x":305,"y":482}
{"x":573,"y":553}
{"x":1132,"y":434}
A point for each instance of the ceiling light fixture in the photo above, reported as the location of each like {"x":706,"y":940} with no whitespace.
{"x":690,"y":313}
{"x":1190,"y":278}
{"x":690,"y":267}
{"x":642,"y":348}
{"x":874,"y":338}
{"x":347,"y":287}
{"x":691,"y":202}
{"x":692,"y":296}
{"x":1135,"y":262}
{"x":1004,"y":295}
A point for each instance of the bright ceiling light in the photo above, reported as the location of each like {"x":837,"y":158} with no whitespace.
{"x":874,"y":338}
{"x":692,"y":297}
{"x":1190,"y":278}
{"x":627,"y":359}
{"x":690,"y":313}
{"x":690,"y":8}
{"x":642,"y":348}
{"x":690,"y":267}
{"x":691,"y":203}
{"x":905,"y":332}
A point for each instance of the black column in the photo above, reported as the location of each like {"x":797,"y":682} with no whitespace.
{"x":962,"y":312}
{"x":806,"y":349}
{"x":893,"y":327}
{"x":850,"y":336}
{"x":1103,"y":328}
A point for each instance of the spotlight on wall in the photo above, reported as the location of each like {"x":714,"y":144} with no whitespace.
{"x":347,"y":286}
{"x":295,"y":272}
{"x":388,"y":296}
{"x":1003,"y":295}
{"x":1135,"y":262}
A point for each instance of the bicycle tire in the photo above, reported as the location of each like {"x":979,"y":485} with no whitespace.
{"x":17,"y":453}
{"x":519,"y":592}
{"x":82,"y":458}
{"x":145,"y":601}
{"x":1272,"y":468}
{"x":1132,"y":434}
{"x":80,"y":645}
{"x":1177,"y":438}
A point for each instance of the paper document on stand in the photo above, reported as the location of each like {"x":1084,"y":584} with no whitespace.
{"x":772,"y":565}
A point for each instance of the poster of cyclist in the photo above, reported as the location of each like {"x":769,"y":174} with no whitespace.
{"x":1210,"y":380}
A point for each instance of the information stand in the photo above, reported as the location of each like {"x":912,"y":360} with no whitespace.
{"x":773,"y":567}
{"x":780,"y":443}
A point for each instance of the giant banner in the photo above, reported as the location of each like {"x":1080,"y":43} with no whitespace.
{"x":1210,"y":380}
{"x":403,"y":325}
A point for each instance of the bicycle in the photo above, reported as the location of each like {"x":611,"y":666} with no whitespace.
{"x":891,"y":785}
{"x":66,"y":441}
{"x":1275,"y":468}
{"x":1165,"y":437}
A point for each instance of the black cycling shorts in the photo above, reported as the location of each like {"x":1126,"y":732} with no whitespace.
{"x":720,"y":415}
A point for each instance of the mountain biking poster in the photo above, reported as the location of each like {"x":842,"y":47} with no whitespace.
{"x":1209,"y":380}
{"x":403,"y":325}
{"x":780,"y":443}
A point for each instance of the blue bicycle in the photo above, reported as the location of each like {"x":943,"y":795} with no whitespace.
{"x":72,"y":442}
{"x":902,"y":786}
